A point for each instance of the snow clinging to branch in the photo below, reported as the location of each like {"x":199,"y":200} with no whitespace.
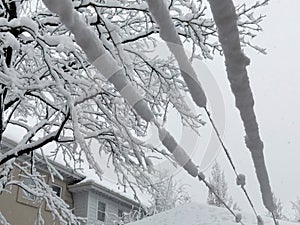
{"x":169,"y":34}
{"x":96,"y":53}
{"x":105,"y":63}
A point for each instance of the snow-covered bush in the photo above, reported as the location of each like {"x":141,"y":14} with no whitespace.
{"x":168,"y":193}
{"x":296,"y":208}
{"x":219,"y":185}
{"x":278,"y":212}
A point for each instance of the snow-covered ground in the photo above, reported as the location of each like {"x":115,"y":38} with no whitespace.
{"x":196,"y":214}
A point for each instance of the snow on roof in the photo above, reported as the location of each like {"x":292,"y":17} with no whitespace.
{"x":111,"y":186}
{"x":68,"y":174}
{"x":105,"y":190}
{"x":196,"y":214}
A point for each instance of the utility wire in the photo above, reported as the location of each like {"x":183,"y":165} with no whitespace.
{"x":238,"y":218}
{"x":233,"y":166}
{"x":249,"y":200}
{"x":274,"y":218}
{"x":221,"y":141}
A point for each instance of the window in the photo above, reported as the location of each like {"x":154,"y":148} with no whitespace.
{"x":101,"y":211}
{"x":30,"y":184}
{"x":120,"y":213}
{"x":57,"y":189}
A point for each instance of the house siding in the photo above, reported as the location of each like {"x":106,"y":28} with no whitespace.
{"x":66,"y":195}
{"x":92,"y":211}
{"x":81,"y":203}
{"x":20,"y":211}
{"x":111,"y":209}
{"x":84,"y":202}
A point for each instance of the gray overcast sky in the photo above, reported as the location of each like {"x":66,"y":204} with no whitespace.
{"x":275,"y":82}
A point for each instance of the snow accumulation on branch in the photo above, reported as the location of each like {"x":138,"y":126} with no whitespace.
{"x":98,"y":55}
{"x":4,"y":174}
{"x":3,"y":220}
{"x":43,"y":191}
{"x":169,"y":34}
{"x":107,"y":65}
{"x":226,"y":21}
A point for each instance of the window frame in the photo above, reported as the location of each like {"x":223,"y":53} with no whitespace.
{"x":101,"y":211}
{"x":120,"y":214}
{"x":57,"y":186}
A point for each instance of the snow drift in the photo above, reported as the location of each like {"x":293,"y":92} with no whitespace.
{"x":196,"y":214}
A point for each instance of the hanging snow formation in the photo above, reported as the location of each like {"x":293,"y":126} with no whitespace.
{"x":108,"y":66}
{"x":169,"y":34}
{"x":98,"y":55}
{"x":178,"y":152}
{"x":226,"y":20}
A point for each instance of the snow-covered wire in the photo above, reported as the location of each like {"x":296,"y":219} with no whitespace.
{"x":226,"y":20}
{"x":240,"y":178}
{"x":184,"y":160}
{"x":238,"y":217}
{"x":274,"y":218}
{"x":221,"y":141}
{"x":168,"y":33}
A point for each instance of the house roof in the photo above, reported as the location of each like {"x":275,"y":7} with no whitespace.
{"x":201,"y":214}
{"x":69,"y":176}
{"x":103,"y":190}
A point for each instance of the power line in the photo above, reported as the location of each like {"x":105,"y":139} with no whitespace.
{"x":241,"y":181}
{"x":220,"y":140}
{"x":238,"y":217}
